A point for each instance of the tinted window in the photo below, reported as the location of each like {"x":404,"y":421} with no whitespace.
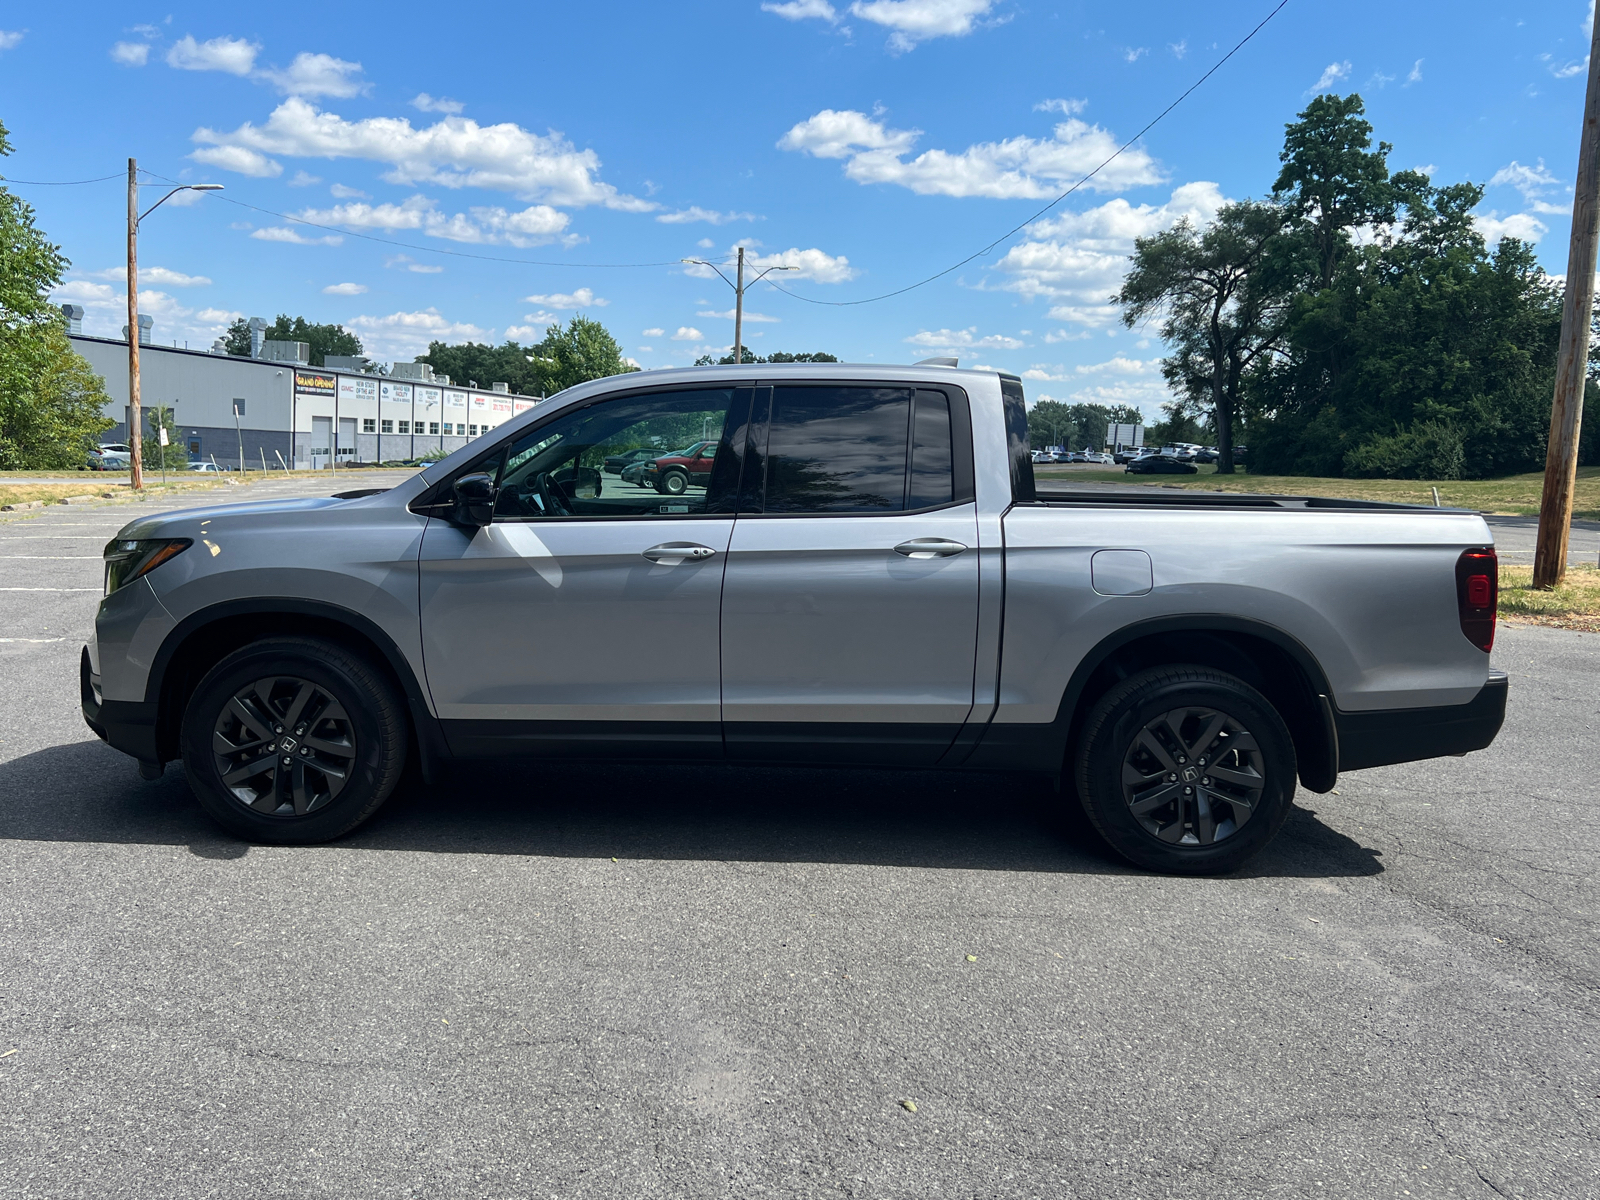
{"x":640,"y":456}
{"x":1022,"y":486}
{"x":837,"y":449}
{"x":931,"y":480}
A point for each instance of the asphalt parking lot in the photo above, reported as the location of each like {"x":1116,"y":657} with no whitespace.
{"x":624,"y":981}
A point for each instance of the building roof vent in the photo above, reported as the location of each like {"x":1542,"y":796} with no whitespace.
{"x":74,"y":315}
{"x":273,"y":350}
{"x":346,"y":362}
{"x":503,"y":388}
{"x":415,"y":371}
{"x":146,"y":324}
{"x":258,"y":334}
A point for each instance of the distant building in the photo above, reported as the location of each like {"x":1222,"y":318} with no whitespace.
{"x":286,"y":407}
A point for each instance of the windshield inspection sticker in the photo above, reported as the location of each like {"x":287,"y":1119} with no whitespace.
{"x":674,"y":508}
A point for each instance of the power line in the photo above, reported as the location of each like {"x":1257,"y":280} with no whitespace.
{"x":60,"y":182}
{"x":1018,"y":228}
{"x":344,"y":232}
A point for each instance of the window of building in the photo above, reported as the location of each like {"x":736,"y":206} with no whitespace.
{"x":405,"y":426}
{"x":369,"y":425}
{"x":472,"y":431}
{"x":447,"y":428}
{"x":238,"y":407}
{"x":388,"y":426}
{"x":433,"y":427}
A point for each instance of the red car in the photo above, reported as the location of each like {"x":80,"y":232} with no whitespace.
{"x":671,"y":473}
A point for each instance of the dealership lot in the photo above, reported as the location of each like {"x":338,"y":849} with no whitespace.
{"x":613,"y":980}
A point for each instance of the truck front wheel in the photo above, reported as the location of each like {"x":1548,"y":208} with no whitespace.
{"x":1186,"y":769}
{"x":293,"y":740}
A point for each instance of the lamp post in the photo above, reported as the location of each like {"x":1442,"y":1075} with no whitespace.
{"x":738,"y":297}
{"x":135,"y":440}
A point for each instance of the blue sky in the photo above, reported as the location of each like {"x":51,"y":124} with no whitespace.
{"x":867,"y":144}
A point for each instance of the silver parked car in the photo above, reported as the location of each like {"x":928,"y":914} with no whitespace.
{"x":868,"y":575}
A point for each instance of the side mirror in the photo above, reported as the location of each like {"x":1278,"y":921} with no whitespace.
{"x":475,"y":499}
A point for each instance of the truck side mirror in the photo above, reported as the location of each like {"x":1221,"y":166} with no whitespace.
{"x":475,"y":499}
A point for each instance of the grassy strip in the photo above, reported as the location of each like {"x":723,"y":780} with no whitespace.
{"x":1516,"y":495}
{"x":19,"y":493}
{"x":1573,"y":605}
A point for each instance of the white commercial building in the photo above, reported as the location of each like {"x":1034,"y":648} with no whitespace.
{"x":281,"y":409}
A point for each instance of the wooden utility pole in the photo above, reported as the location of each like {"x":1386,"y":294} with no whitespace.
{"x":738,"y":313}
{"x":1566,"y":412}
{"x":135,"y":447}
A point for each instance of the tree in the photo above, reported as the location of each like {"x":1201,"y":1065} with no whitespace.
{"x":568,"y":354}
{"x":748,"y":355}
{"x":1079,"y":426}
{"x":580,"y":351}
{"x":476,"y":364}
{"x":50,"y":400}
{"x":1217,"y":296}
{"x":174,"y":456}
{"x":324,"y":339}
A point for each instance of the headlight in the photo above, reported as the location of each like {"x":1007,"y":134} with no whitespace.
{"x":127,"y":560}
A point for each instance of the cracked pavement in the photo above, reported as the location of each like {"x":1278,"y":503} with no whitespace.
{"x":625,"y":981}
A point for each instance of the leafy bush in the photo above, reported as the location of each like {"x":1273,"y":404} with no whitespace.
{"x":1428,"y":450}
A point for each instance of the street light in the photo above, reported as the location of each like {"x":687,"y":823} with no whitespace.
{"x":738,"y":297}
{"x":135,"y":438}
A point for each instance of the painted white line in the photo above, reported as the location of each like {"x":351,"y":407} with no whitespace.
{"x":32,"y":640}
{"x":54,"y":557}
{"x":23,"y":589}
{"x":52,"y":537}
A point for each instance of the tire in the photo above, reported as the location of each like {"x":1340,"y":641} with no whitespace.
{"x":1145,"y":739}
{"x":352,"y":726}
{"x":673,"y":483}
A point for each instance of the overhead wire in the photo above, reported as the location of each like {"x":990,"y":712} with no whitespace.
{"x":1015,"y":229}
{"x":63,"y":182}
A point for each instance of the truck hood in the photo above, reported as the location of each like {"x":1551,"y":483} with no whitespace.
{"x":174,"y":524}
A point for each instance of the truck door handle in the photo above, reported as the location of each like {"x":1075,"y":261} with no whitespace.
{"x":676,"y":552}
{"x":929,"y":548}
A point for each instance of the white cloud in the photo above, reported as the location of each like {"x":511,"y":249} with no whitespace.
{"x":1016,"y":168}
{"x":916,"y":21}
{"x":952,"y":339}
{"x":455,"y":152}
{"x":810,"y":264}
{"x":1533,"y":182}
{"x":235,"y":56}
{"x":10,"y":37}
{"x":341,"y":192}
{"x":532,"y":226}
{"x":1062,"y":335}
{"x":304,"y":179}
{"x":131,"y":54}
{"x":423,"y":102}
{"x":524,"y":333}
{"x":107,"y":309}
{"x":652,"y":333}
{"x":316,"y":75}
{"x":1067,"y":107}
{"x":404,"y":335}
{"x":1179,"y":49}
{"x":705,"y":243}
{"x":1135,"y":53}
{"x":688,"y":333}
{"x":157,"y":275}
{"x":1416,"y":73}
{"x":1518,"y":225}
{"x":345,"y":289}
{"x":411,"y":264}
{"x":695,"y":213}
{"x":1331,"y":75}
{"x":800,"y":10}
{"x":280,"y":233}
{"x":1079,"y":258}
{"x":81,"y":291}
{"x":751,"y":318}
{"x":582,"y":298}
{"x":240,"y":160}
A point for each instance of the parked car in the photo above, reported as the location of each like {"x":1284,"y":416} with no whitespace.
{"x":1206,"y":454}
{"x":615,"y":464}
{"x":209,"y":468}
{"x":1160,"y":464}
{"x":113,"y":456}
{"x":671,"y":474}
{"x":1127,"y":454}
{"x":1174,"y":663}
{"x":1096,"y":456}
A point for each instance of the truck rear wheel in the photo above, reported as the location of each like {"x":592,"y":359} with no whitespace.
{"x":293,"y":741}
{"x":1186,"y":769}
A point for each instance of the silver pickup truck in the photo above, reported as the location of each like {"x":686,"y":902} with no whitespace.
{"x":864,"y":572}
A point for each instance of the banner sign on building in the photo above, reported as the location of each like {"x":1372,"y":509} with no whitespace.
{"x":428,"y":400}
{"x":314,"y":383}
{"x":352,"y":387}
{"x":455,"y":399}
{"x":396,"y":393}
{"x":522,"y":406}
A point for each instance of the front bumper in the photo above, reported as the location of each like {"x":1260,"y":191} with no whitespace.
{"x":1376,"y":739}
{"x":124,"y":725}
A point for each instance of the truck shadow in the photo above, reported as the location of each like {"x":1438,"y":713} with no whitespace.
{"x":86,"y":792}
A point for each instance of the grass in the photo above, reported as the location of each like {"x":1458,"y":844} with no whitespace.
{"x":1573,"y":605}
{"x":15,"y":491}
{"x":1515,"y":495}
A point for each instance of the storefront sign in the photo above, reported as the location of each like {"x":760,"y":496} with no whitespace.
{"x":314,"y":383}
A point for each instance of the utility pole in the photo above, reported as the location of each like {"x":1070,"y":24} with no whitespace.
{"x":1566,"y":410}
{"x":738,"y":313}
{"x":738,"y":297}
{"x":135,"y":425}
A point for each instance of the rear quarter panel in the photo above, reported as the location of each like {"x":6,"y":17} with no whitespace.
{"x":1370,"y":594}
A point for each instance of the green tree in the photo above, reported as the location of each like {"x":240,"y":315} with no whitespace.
{"x":323,"y":339}
{"x":568,"y":354}
{"x":1221,"y":308}
{"x":50,"y":399}
{"x":1076,"y":426}
{"x":748,"y":355}
{"x":476,"y":364}
{"x":174,"y":456}
{"x":578,"y":352}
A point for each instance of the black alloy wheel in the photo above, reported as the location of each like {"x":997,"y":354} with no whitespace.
{"x":1185,"y":769}
{"x":283,"y":746}
{"x":293,"y":740}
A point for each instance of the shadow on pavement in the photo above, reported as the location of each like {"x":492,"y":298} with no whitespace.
{"x":87,"y":792}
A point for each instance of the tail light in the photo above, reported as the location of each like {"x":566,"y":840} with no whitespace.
{"x":1478,"y":595}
